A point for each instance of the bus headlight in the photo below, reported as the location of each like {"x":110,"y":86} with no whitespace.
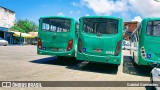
{"x":143,"y":53}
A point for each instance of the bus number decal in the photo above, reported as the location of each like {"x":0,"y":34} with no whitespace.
{"x":109,"y":52}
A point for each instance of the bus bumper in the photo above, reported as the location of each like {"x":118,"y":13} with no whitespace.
{"x":44,"y":52}
{"x":103,"y":59}
{"x":145,"y":61}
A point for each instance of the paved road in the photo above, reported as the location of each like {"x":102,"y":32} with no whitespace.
{"x":21,"y":63}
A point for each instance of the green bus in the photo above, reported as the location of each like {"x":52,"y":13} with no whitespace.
{"x":100,"y":39}
{"x":145,"y":41}
{"x":57,"y":35}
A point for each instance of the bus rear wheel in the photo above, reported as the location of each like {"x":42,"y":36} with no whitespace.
{"x":151,"y":78}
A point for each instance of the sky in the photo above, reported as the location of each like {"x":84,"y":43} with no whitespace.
{"x":129,"y":10}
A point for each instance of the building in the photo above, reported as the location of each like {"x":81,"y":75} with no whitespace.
{"x":7,"y":18}
{"x":129,"y":27}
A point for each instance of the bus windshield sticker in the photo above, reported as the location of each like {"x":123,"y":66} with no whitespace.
{"x":44,"y":48}
{"x":148,"y":55}
{"x":84,"y":49}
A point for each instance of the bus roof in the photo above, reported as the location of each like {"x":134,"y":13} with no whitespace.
{"x":156,"y":18}
{"x":100,"y":17}
{"x":144,"y":20}
{"x":64,"y":17}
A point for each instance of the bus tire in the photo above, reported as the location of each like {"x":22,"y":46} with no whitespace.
{"x":133,"y":57}
{"x":60,"y":57}
{"x":151,"y":78}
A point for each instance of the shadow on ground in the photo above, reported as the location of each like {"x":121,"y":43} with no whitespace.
{"x":150,"y":88}
{"x":62,"y":61}
{"x":129,"y":68}
{"x":95,"y":67}
{"x":72,"y":63}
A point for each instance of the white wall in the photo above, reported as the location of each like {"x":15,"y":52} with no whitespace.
{"x":7,"y":18}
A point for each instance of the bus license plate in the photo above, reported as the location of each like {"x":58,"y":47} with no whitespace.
{"x":55,"y":49}
{"x":98,"y":50}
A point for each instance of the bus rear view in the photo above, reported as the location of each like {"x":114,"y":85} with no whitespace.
{"x":57,"y":36}
{"x":100,"y":39}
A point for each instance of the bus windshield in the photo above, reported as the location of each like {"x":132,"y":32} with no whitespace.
{"x":56,"y":25}
{"x":100,"y":26}
{"x":153,"y":28}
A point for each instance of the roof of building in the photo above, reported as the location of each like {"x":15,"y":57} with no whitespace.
{"x":3,"y":29}
{"x":35,"y":34}
{"x":8,"y":9}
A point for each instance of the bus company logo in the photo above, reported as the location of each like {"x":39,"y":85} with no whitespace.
{"x":6,"y":84}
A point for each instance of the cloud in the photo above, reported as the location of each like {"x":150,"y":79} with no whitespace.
{"x":78,"y":12}
{"x":74,"y":4}
{"x":137,"y":18}
{"x":80,"y":4}
{"x":106,"y":7}
{"x":143,"y":8}
{"x":126,"y":16}
{"x":146,"y":8}
{"x":71,"y":12}
{"x":60,"y":14}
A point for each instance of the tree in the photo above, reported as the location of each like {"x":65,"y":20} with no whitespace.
{"x":24,"y":26}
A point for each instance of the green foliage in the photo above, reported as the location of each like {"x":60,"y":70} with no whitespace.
{"x":24,"y":26}
{"x":16,"y":28}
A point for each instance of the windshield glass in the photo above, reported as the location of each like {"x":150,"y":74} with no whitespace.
{"x":153,"y":28}
{"x":56,"y":25}
{"x":100,"y":26}
{"x":1,"y":38}
{"x":126,"y":43}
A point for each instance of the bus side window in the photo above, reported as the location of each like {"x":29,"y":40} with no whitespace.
{"x":53,"y":28}
{"x":139,"y":31}
{"x":134,"y":39}
{"x":46,"y":27}
{"x":137,"y":36}
{"x":84,"y":27}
